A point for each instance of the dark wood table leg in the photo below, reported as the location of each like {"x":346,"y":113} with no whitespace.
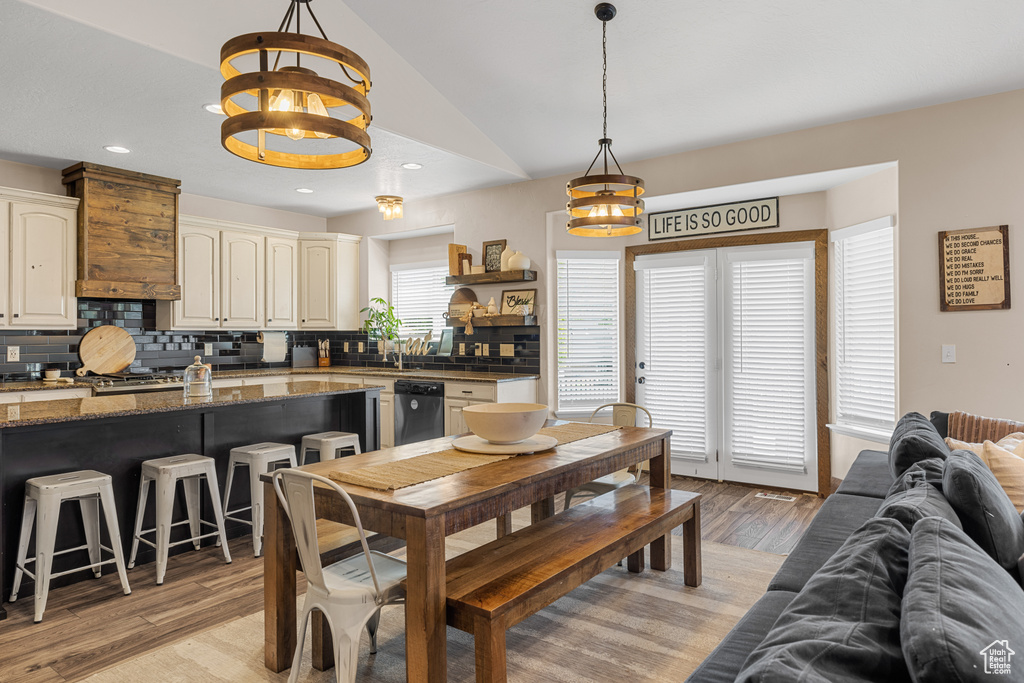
{"x":542,"y":509}
{"x":661,"y":548}
{"x":635,"y":561}
{"x":426,"y":644}
{"x":691,"y":548}
{"x":504,"y":523}
{"x":279,"y":566}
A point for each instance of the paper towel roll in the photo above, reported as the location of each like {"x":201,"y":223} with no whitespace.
{"x":275,"y":346}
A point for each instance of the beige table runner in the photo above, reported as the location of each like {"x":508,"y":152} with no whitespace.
{"x":416,"y":470}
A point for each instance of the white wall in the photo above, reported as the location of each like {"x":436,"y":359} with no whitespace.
{"x":960,"y":166}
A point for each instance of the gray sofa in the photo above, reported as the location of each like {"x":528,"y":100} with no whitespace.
{"x":855,"y":501}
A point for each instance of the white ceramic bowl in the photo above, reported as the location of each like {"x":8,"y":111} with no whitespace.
{"x":505,"y":422}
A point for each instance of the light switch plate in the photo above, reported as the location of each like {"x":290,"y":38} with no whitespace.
{"x":13,"y":354}
{"x":207,"y":349}
{"x":462,"y":349}
{"x":507,"y":349}
{"x":360,"y":347}
{"x":949,"y":353}
{"x":14,"y":412}
{"x":345,"y":347}
{"x":486,"y":349}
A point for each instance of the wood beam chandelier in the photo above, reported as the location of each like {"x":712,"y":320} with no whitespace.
{"x":293,"y":103}
{"x":605,"y":204}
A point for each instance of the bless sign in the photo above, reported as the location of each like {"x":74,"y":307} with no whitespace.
{"x":705,"y":220}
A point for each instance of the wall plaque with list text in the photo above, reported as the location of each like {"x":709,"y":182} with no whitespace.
{"x":974,"y":269}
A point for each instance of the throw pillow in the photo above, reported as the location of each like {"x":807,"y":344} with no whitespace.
{"x":914,"y":439}
{"x":1011,"y":442}
{"x":910,"y":506}
{"x":844,"y":625}
{"x":984,"y":509}
{"x":921,"y":473}
{"x":1008,"y":470}
{"x":959,"y":611}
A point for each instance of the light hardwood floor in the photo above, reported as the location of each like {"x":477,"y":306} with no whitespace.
{"x":90,"y":626}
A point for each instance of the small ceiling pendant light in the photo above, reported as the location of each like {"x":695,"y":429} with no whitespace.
{"x":294,"y":101}
{"x":604,"y":205}
{"x":390,"y":206}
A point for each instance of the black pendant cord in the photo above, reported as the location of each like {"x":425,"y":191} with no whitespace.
{"x":605,"y":143}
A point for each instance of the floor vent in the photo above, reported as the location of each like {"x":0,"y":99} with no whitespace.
{"x":775,"y":496}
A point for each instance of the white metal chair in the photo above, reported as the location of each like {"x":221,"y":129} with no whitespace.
{"x":351,"y":592}
{"x":623,"y":415}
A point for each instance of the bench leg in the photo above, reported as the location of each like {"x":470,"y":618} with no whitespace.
{"x":489,"y":639}
{"x":635,"y":561}
{"x":661,"y":547}
{"x":504,"y":523}
{"x":691,"y":548}
{"x":542,"y":509}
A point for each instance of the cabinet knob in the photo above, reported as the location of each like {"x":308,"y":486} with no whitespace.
{"x":270,"y":320}
{"x":16,"y":315}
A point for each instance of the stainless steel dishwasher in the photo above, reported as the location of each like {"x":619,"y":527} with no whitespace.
{"x":419,"y":411}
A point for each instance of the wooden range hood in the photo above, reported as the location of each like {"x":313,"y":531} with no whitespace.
{"x":127,"y":233}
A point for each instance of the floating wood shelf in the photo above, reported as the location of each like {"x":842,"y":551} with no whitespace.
{"x":497,"y":321}
{"x":492,"y":277}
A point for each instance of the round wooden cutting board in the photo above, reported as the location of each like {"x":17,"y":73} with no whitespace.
{"x":105,"y":349}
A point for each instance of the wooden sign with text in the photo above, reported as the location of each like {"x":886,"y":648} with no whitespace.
{"x":974,"y":269}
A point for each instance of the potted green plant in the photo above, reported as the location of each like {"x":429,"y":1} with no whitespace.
{"x":381,"y":323}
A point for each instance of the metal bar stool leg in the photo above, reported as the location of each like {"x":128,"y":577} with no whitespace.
{"x":91,"y":518}
{"x":211,"y":481}
{"x":46,"y":538}
{"x":114,"y":532}
{"x":191,"y":486}
{"x":28,"y":520}
{"x":256,"y":498}
{"x":164,"y":511}
{"x":140,"y":510}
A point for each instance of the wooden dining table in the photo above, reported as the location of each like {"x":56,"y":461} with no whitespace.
{"x":424,"y":514}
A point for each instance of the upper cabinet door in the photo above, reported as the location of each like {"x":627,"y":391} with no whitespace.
{"x":318,"y":295}
{"x":282,"y":283}
{"x":242,"y":280}
{"x":199,"y":276}
{"x":42,"y":243}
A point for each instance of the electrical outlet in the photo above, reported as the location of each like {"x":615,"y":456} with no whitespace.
{"x":462,"y":349}
{"x":948,"y":353}
{"x":207,"y":348}
{"x":360,"y":347}
{"x":487,"y":349}
{"x":14,"y":412}
{"x":507,"y":349}
{"x":13,"y":354}
{"x":345,"y":347}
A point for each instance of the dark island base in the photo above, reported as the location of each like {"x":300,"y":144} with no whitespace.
{"x":118,"y":446}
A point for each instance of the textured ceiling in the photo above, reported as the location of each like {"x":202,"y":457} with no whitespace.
{"x":484,"y":92}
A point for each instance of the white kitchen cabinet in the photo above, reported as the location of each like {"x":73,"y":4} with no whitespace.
{"x":458,"y":395}
{"x":242,"y":280}
{"x":199,"y":266}
{"x":282,"y":283}
{"x":38,"y":241}
{"x":454,"y":422}
{"x":328,"y":282}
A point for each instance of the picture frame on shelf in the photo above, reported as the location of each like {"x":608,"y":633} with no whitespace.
{"x":492,"y":255}
{"x":518,"y":302}
{"x":465,"y":263}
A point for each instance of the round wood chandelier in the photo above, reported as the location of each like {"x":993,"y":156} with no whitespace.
{"x":294,"y":102}
{"x":604,"y":204}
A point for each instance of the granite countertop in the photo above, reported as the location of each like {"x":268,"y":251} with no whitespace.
{"x":93,"y":407}
{"x":451,"y":375}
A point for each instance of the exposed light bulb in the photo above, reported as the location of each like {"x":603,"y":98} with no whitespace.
{"x":285,"y":101}
{"x":604,"y":210}
{"x":316,"y":106}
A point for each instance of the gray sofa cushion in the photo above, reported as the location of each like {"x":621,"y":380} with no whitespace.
{"x":914,"y":439}
{"x":927,"y":471}
{"x":956,"y":604}
{"x":868,"y":476}
{"x":985,"y":511}
{"x":836,"y":520}
{"x":845,"y":624}
{"x":722,"y":665}
{"x":911,"y":506}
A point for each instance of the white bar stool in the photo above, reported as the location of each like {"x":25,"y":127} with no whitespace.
{"x":190,"y":469}
{"x":43,"y":496}
{"x":259,"y":457}
{"x":328,"y":444}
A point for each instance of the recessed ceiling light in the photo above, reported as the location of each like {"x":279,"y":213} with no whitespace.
{"x":116,"y":149}
{"x":304,"y":190}
{"x":213,"y":108}
{"x":412,"y":166}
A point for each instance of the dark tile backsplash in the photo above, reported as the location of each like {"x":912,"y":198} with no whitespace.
{"x":171,"y":351}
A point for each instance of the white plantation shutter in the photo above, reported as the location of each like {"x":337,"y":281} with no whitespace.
{"x":588,"y":329}
{"x":769,"y":353}
{"x":676,"y":346}
{"x":865,"y":325}
{"x":420,"y":298}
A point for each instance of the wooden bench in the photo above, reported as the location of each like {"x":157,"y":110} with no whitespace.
{"x":497,"y":585}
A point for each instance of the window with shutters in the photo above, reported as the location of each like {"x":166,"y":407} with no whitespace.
{"x":865,"y":329}
{"x":588,"y":329}
{"x":420,"y":298}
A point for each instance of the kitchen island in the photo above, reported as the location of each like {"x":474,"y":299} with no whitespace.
{"x":115,"y":434}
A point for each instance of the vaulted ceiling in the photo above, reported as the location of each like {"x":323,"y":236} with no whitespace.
{"x":482,"y":92}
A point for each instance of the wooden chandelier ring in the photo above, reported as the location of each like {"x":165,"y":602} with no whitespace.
{"x":332,"y":93}
{"x":588,"y":180}
{"x":616,"y":231}
{"x":582,"y":203}
{"x":290,"y":42}
{"x":587,"y":221}
{"x":231,"y":109}
{"x":256,"y":120}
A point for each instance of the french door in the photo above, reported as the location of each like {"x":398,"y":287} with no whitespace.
{"x":725,"y":359}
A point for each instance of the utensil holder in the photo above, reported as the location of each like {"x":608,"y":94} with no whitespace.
{"x":323,"y":362}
